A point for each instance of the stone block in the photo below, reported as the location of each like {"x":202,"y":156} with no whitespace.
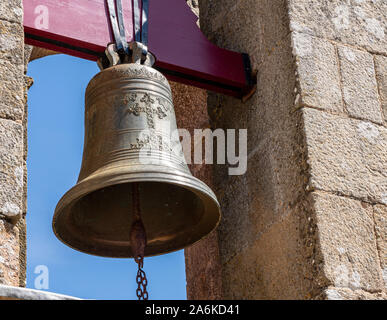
{"x":318,"y":72}
{"x":269,"y":112}
{"x":11,"y":94}
{"x":209,"y":10}
{"x":11,"y":169}
{"x":11,"y":72}
{"x":254,"y":27}
{"x":270,"y":268}
{"x":356,"y":22}
{"x":9,"y":254}
{"x":11,"y":10}
{"x":360,"y":90}
{"x":381,"y":77}
{"x":235,"y":230}
{"x":190,"y":106}
{"x":203,"y":270}
{"x":346,"y":156}
{"x":12,"y":42}
{"x":22,"y":227}
{"x":253,"y":202}
{"x":380,"y":214}
{"x":347,"y":242}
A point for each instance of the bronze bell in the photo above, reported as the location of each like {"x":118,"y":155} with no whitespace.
{"x":129,"y":119}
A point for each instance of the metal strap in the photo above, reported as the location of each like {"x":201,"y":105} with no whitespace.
{"x":140,"y":16}
{"x":114,"y":25}
{"x":144,"y":22}
{"x":121,"y":27}
{"x":140,"y":26}
{"x":136,"y":20}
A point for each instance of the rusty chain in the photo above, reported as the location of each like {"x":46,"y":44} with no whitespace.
{"x":142,"y":281}
{"x":138,"y":243}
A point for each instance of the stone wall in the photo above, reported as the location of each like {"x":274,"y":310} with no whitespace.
{"x":13,"y":152}
{"x":340,"y":49}
{"x":307,"y":221}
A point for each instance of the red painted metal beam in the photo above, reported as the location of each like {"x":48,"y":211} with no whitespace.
{"x":81,"y":28}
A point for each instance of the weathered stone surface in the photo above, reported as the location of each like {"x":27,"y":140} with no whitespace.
{"x":235,"y":230}
{"x":360,"y":90}
{"x":356,"y":22}
{"x":11,"y":72}
{"x":318,"y":72}
{"x":346,"y":156}
{"x":11,"y":90}
{"x":9,"y":254}
{"x":269,"y":113}
{"x":251,"y":203}
{"x":348,"y":243}
{"x":333,"y":293}
{"x":254,"y":27}
{"x":38,"y":53}
{"x":380,"y":214}
{"x":11,"y":10}
{"x":27,"y":84}
{"x":381,"y":76}
{"x":203,"y":268}
{"x":190,"y":106}
{"x":209,"y":11}
{"x":11,"y":169}
{"x":27,"y":55}
{"x":204,"y":276}
{"x":12,"y":42}
{"x":22,"y":227}
{"x":270,"y":268}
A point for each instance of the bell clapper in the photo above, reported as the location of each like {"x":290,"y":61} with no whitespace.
{"x":138,"y":243}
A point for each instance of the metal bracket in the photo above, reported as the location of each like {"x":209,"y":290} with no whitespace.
{"x":121,"y":52}
{"x":139,"y":52}
{"x":112,"y":57}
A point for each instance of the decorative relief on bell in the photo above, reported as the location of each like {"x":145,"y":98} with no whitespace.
{"x":147,"y":104}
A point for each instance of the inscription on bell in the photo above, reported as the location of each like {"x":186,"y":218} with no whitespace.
{"x":152,"y":142}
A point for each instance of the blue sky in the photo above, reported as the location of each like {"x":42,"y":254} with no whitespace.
{"x":55,"y":145}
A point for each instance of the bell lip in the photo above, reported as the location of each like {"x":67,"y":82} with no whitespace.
{"x":195,"y":185}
